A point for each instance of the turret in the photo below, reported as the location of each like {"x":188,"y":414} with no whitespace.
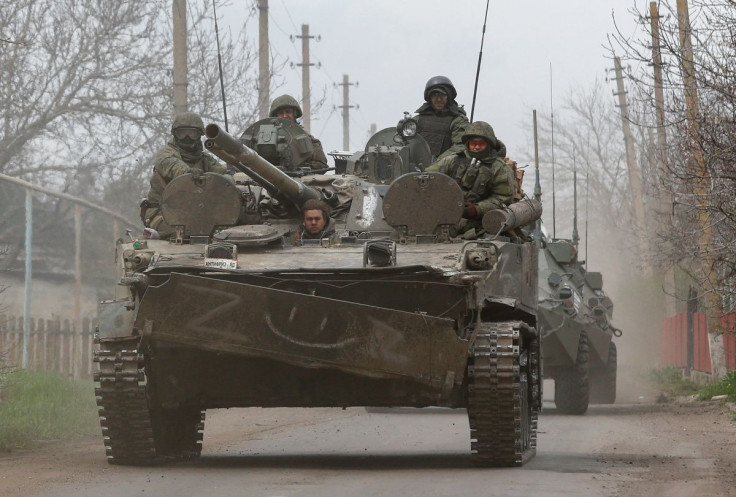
{"x":246,"y":160}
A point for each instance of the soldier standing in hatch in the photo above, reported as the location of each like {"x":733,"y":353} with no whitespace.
{"x":440,"y":120}
{"x":183,"y":154}
{"x":480,"y":170}
{"x":286,"y":107}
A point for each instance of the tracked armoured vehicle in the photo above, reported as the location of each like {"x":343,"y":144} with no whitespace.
{"x":389,"y":310}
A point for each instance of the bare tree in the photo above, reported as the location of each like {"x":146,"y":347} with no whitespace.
{"x":86,"y":92}
{"x":702,"y":198}
{"x":588,"y":138}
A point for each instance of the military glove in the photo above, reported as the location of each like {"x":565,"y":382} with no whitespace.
{"x":470,"y":211}
{"x":196,"y":172}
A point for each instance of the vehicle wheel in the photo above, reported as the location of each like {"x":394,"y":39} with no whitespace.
{"x":572,"y":385}
{"x":603,"y":380}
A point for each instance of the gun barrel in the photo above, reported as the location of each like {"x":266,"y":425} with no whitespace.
{"x":515,"y":215}
{"x":229,"y":149}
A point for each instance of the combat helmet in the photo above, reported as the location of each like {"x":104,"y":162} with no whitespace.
{"x":442,"y":83}
{"x":285,"y":101}
{"x":480,"y":129}
{"x":188,"y":120}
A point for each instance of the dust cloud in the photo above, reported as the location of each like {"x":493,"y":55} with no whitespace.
{"x":638,"y":309}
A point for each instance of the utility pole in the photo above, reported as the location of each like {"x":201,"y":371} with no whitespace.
{"x":668,"y":283}
{"x":633,"y":165}
{"x":179,"y":13}
{"x":346,"y":110}
{"x":264,"y":76}
{"x":76,"y":344}
{"x":306,"y":94}
{"x":692,"y":116}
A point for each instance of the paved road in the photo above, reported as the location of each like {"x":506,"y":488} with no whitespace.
{"x":620,"y":450}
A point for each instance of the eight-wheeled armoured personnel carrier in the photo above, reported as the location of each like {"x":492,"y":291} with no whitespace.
{"x":236,"y":311}
{"x":575,"y":318}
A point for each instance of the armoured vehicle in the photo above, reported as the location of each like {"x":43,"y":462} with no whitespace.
{"x":575,"y":314}
{"x":236,"y":311}
{"x":577,"y":335}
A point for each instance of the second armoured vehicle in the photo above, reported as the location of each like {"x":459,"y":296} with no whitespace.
{"x":575,"y":314}
{"x":575,"y":318}
{"x":237,"y":311}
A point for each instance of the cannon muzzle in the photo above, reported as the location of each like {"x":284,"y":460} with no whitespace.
{"x":278,"y":183}
{"x":514,"y":216}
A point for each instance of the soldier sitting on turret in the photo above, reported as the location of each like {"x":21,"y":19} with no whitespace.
{"x":316,"y":221}
{"x":286,"y":107}
{"x":183,"y":154}
{"x":440,"y":120}
{"x":480,"y":170}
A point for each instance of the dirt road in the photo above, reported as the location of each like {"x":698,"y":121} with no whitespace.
{"x":676,"y":449}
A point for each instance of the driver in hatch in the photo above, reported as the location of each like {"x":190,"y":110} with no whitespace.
{"x":316,"y":221}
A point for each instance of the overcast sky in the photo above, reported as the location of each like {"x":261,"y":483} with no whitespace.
{"x":392,"y":47}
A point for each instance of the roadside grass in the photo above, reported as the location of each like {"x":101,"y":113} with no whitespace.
{"x":670,"y":381}
{"x":726,"y":386}
{"x":38,"y":407}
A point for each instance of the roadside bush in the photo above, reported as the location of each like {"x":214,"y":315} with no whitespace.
{"x":38,"y":407}
{"x":726,"y":386}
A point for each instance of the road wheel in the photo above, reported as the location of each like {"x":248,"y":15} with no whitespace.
{"x":603,"y":380}
{"x":572,"y":385}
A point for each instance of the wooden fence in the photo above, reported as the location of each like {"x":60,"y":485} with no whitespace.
{"x":54,"y":345}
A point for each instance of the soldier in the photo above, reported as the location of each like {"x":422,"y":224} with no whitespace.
{"x":316,"y":220}
{"x":480,"y":170}
{"x":286,"y":107}
{"x":183,"y":154}
{"x":440,"y":120}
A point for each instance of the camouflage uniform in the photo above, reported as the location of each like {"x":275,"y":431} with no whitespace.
{"x":318,"y":160}
{"x":172,"y":160}
{"x":487,"y":185}
{"x":442,"y":129}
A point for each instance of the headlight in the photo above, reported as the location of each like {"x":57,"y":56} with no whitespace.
{"x":407,"y":128}
{"x":566,"y":293}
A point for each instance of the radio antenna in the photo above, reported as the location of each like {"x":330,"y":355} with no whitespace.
{"x":552,"y":119}
{"x":480,"y":57}
{"x":219,"y":63}
{"x":575,"y":236}
{"x":587,"y":187}
{"x":537,"y":234}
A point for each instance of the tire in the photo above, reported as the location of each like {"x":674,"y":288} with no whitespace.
{"x":603,"y":380}
{"x":572,"y":385}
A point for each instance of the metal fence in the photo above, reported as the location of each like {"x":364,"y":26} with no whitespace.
{"x":54,"y":345}
{"x":685,"y":341}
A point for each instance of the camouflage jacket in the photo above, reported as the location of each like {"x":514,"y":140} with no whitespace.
{"x":318,"y":160}
{"x":168,"y":163}
{"x":428,"y":120}
{"x":489,"y":185}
